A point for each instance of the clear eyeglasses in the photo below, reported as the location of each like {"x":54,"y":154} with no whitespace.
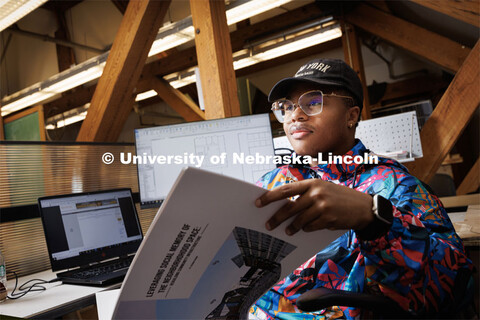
{"x":310,"y":102}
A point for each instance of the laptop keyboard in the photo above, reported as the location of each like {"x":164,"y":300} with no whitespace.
{"x":104,"y":268}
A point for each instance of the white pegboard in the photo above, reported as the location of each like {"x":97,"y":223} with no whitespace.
{"x":395,"y":136}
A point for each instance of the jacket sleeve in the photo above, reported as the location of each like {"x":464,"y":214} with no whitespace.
{"x":417,"y":261}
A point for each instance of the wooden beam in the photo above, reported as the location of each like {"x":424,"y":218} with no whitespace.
{"x":191,"y":92}
{"x":464,"y":10}
{"x":243,"y":36}
{"x":177,"y":100}
{"x":215,"y":61}
{"x":113,"y":98}
{"x":379,"y":4}
{"x":353,"y":57}
{"x":471,"y":182}
{"x":65,"y":55}
{"x":242,"y":24}
{"x":83,"y":95}
{"x":185,"y":59}
{"x":121,"y":5}
{"x":450,"y":117}
{"x":239,"y":39}
{"x":72,"y":99}
{"x":169,"y":52}
{"x":430,"y":46}
{"x":2,"y":132}
{"x":404,"y":91}
{"x":326,"y":46}
{"x":54,"y":5}
{"x":177,"y":61}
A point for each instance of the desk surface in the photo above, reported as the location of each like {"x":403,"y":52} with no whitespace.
{"x":468,"y":228}
{"x":57,"y":300}
{"x":459,"y":201}
{"x":60,"y":298}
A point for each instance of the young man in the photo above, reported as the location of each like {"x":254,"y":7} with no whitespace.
{"x":400,"y":241}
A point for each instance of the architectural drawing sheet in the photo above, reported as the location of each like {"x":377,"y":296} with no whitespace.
{"x":207,"y":254}
{"x":210,"y":145}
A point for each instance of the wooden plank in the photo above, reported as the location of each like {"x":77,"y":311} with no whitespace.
{"x":449,"y":118}
{"x":464,"y":10}
{"x":379,"y":4}
{"x":469,"y":231}
{"x":322,"y":47}
{"x":121,"y":5}
{"x":242,"y":24}
{"x":461,"y":200}
{"x":185,"y":59}
{"x":41,"y":123}
{"x":177,"y":61}
{"x":60,"y":5}
{"x":169,"y":52}
{"x":406,"y":90}
{"x":72,"y":99}
{"x":2,"y":133}
{"x":145,"y":85}
{"x":215,"y":61}
{"x":113,"y":98}
{"x":353,"y":57}
{"x":177,"y":100}
{"x":191,"y":92}
{"x":430,"y":46}
{"x":471,"y":182}
{"x":326,"y":46}
{"x":243,"y":36}
{"x":65,"y":55}
{"x":452,"y":159}
{"x":239,"y":39}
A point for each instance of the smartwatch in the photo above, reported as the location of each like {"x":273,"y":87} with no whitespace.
{"x":382,"y":219}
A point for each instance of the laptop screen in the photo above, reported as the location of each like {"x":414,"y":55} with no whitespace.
{"x":89,"y":227}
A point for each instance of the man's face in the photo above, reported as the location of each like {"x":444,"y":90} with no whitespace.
{"x":324,"y":132}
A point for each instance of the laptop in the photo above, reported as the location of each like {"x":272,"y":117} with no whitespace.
{"x":93,"y":234}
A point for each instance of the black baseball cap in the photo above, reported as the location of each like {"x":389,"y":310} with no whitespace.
{"x":331,"y":72}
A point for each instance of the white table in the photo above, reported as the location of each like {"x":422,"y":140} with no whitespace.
{"x":57,"y":300}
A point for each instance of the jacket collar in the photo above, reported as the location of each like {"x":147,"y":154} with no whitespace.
{"x":342,"y":171}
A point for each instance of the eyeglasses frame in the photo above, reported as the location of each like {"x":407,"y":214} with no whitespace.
{"x":296,"y":105}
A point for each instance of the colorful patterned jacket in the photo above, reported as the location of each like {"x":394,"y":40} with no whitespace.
{"x":415,"y":263}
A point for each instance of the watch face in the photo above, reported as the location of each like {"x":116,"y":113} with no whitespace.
{"x":384,"y":209}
